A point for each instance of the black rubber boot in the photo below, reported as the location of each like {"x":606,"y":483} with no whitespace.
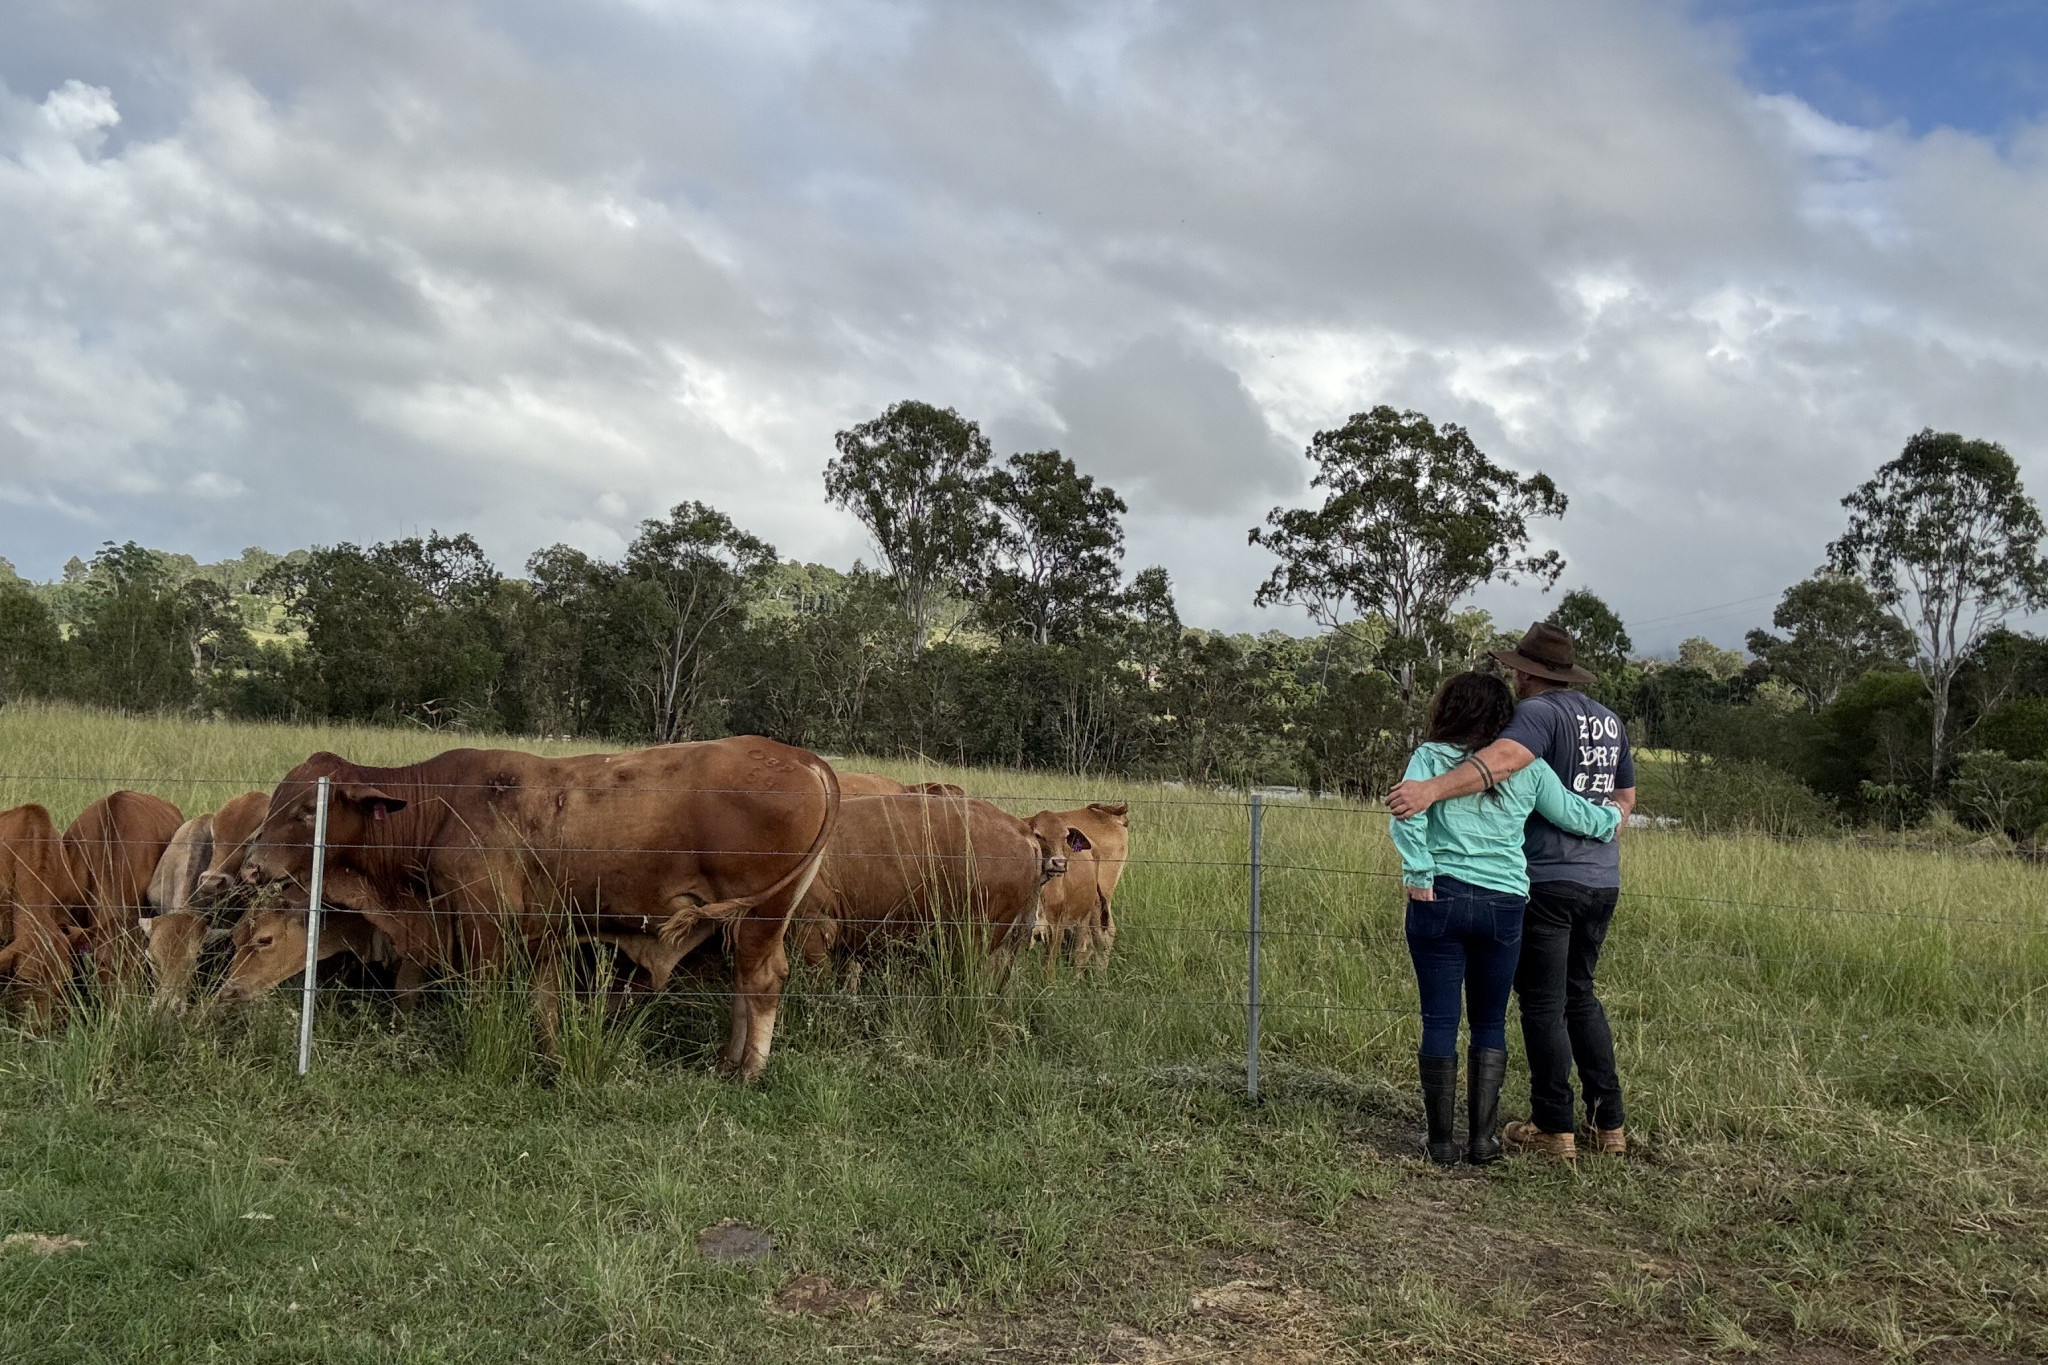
{"x":1489,"y":1067}
{"x":1440,"y":1106}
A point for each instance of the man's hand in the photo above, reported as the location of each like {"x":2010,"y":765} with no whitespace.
{"x":1412,"y":798}
{"x":1421,"y":893}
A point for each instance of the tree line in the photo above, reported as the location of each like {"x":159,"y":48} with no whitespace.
{"x":999,"y":626}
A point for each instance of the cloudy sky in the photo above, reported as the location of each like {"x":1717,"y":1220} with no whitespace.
{"x":351,"y":269}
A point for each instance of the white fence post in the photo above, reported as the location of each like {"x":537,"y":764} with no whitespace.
{"x":1251,"y":1043}
{"x":313,"y":929}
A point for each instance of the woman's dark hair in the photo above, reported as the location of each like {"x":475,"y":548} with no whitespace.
{"x":1470,"y":710}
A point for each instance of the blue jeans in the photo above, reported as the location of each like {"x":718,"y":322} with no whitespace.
{"x":1468,"y":938}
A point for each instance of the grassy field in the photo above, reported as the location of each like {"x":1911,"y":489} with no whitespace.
{"x":1836,"y":1055}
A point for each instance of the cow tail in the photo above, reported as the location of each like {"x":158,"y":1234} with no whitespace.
{"x":791,"y":887}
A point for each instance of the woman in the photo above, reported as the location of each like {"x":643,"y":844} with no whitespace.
{"x":1461,"y":861}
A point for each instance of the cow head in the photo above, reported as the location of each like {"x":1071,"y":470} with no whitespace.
{"x":1097,"y":840}
{"x":234,"y":826}
{"x":270,"y":948}
{"x":281,"y":850}
{"x":1055,"y":853}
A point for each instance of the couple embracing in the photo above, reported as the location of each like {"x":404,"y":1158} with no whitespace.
{"x":1505,"y":823}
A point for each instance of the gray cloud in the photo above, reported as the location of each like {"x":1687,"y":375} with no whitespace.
{"x":353,"y":269}
{"x":1177,"y":424}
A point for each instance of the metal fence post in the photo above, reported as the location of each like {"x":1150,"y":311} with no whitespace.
{"x":313,"y":929}
{"x":1251,"y":1042}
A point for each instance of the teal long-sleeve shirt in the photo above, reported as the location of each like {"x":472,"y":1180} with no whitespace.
{"x":1478,"y":838}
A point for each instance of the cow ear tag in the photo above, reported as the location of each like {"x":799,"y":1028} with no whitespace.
{"x":1077,"y":842}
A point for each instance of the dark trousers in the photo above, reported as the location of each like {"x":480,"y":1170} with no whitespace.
{"x":1464,"y":940}
{"x":1562,"y":1022}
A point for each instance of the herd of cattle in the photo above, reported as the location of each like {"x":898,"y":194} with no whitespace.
{"x":725,"y":850}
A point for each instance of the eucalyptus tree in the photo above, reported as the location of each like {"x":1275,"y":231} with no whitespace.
{"x":1835,"y":632}
{"x":1950,"y":544}
{"x":1414,"y":518}
{"x":685,"y":583}
{"x":1056,"y":571}
{"x":917,"y":478}
{"x":1602,"y":640}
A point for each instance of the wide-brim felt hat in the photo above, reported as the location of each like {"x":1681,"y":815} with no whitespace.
{"x":1546,"y":651}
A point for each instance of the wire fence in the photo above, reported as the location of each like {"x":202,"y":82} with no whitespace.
{"x":957,"y":875}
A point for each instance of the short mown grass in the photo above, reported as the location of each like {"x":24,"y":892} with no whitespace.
{"x":1835,"y":1059}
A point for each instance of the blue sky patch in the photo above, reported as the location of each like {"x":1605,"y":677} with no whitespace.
{"x":1979,"y":65}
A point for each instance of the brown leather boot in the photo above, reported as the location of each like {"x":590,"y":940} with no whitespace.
{"x":1533,"y":1141}
{"x":1605,"y":1141}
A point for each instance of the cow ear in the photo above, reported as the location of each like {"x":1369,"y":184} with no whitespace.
{"x":1116,"y":810}
{"x":1077,"y":842}
{"x":377,"y":799}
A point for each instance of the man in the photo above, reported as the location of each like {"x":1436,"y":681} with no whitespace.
{"x":1573,"y":886}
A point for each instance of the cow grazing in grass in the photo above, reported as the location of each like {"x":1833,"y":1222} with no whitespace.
{"x":39,"y":889}
{"x":195,"y":882}
{"x":172,"y":931}
{"x":234,"y":827}
{"x":901,"y":864}
{"x":270,"y":949}
{"x":1077,"y":910}
{"x":116,"y":843}
{"x":476,"y":851}
{"x":81,"y":892}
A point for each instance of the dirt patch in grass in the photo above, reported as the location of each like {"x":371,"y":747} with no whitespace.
{"x":817,"y":1296}
{"x":41,"y":1243}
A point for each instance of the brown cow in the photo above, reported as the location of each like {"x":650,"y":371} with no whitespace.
{"x":448,"y":856}
{"x":116,"y":843}
{"x":1097,"y":840}
{"x":900,"y":864}
{"x":234,"y":825}
{"x":270,"y":949}
{"x":39,"y":887}
{"x":194,"y":883}
{"x":172,"y":932}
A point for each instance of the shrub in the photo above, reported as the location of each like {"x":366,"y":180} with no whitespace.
{"x":1873,"y":738}
{"x":31,"y":650}
{"x":2018,"y":729}
{"x":1729,"y":797}
{"x":2008,"y":795}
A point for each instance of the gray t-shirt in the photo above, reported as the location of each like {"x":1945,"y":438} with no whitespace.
{"x":1586,"y":745}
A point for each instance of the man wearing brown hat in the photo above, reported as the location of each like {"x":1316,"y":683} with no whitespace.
{"x":1573,"y":886}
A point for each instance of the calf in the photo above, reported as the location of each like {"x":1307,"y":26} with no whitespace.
{"x":270,"y":949}
{"x":1077,"y":913}
{"x":116,"y":843}
{"x":39,"y":892}
{"x":195,"y":882}
{"x":900,"y":865}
